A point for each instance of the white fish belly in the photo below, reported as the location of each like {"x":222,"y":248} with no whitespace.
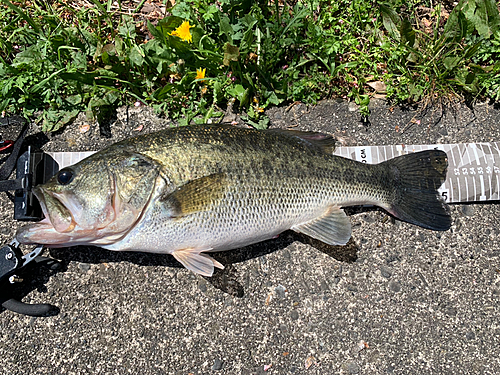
{"x":243,"y":218}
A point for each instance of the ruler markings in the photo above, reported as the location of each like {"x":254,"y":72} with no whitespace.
{"x":466,"y":189}
{"x":452,"y":194}
{"x":475,"y":191}
{"x":467,"y":151}
{"x":498,"y":188}
{"x":481,"y":145}
{"x":461,"y":159}
{"x":491,"y":154}
{"x":473,"y":146}
{"x":482,"y":197}
{"x":491,"y":190}
{"x":453,"y":157}
{"x":496,"y":148}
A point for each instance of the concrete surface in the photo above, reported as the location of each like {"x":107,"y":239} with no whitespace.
{"x":396,"y":300}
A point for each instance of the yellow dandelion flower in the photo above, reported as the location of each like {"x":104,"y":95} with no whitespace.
{"x":183,"y":32}
{"x":200,"y":73}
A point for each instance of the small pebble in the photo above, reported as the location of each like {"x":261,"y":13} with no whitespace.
{"x":309,"y":361}
{"x":5,"y":231}
{"x":324,"y":286}
{"x":352,"y":367}
{"x":202,"y":286}
{"x":470,"y":335}
{"x":352,"y":288}
{"x":451,"y":311}
{"x":385,"y":272}
{"x":352,"y":107}
{"x":294,"y":315}
{"x":443,"y":131}
{"x":280,"y":291}
{"x":84,"y":267}
{"x":395,"y":286}
{"x":369,"y":218}
{"x":217,"y":365}
{"x":468,"y":210}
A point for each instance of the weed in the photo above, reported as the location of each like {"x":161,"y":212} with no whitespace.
{"x":56,"y":61}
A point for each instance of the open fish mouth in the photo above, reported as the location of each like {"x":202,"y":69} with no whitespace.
{"x":56,"y":213}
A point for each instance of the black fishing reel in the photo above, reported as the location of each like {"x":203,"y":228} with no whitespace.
{"x":33,"y":167}
{"x":14,"y":269}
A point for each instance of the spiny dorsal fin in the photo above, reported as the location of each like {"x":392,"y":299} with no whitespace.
{"x":197,"y":195}
{"x":333,"y":227}
{"x":324,"y":141}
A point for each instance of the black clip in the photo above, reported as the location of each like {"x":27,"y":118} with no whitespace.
{"x":12,"y":264}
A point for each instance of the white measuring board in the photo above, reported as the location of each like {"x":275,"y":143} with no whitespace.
{"x":473,"y":168}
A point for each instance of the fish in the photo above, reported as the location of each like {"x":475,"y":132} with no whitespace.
{"x":188,"y":191}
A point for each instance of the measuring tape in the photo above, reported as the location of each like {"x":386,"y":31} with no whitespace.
{"x":473,"y":168}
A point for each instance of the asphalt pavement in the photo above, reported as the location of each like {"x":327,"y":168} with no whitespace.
{"x":397,"y":299}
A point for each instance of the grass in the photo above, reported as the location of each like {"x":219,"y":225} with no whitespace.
{"x":57,"y":60}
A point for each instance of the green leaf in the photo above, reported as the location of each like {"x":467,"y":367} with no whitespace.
{"x":53,"y":120}
{"x":226,"y":29}
{"x":155,"y":32}
{"x":119,"y":47}
{"x":407,"y":33}
{"x":484,"y":15}
{"x":163,"y":92}
{"x":136,"y":55}
{"x":455,"y":28}
{"x":240,"y":93}
{"x":236,"y":91}
{"x":181,"y":10}
{"x":391,"y":20}
{"x":40,"y":84}
{"x":451,"y":61}
{"x":273,"y":99}
{"x":32,"y":54}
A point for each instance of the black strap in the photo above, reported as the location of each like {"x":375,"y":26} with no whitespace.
{"x":10,"y":163}
{"x":9,"y":185}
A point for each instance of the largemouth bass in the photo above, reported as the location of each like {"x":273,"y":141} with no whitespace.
{"x":190,"y":190}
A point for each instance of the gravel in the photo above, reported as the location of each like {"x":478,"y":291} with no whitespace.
{"x":422,"y":302}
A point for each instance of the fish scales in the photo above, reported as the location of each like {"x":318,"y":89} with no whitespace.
{"x":191,"y":190}
{"x":260,"y":205}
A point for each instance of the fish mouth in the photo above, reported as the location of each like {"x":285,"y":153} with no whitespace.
{"x":54,"y":210}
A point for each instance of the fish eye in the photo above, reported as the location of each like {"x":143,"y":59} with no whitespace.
{"x":65,"y":176}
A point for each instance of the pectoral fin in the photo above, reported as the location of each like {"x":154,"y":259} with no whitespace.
{"x":333,"y":227}
{"x":195,"y":261}
{"x":196,"y":195}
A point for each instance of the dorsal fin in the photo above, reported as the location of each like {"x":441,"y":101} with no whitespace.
{"x":324,"y":141}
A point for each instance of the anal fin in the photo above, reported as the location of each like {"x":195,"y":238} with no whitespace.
{"x":195,"y":261}
{"x":333,"y":227}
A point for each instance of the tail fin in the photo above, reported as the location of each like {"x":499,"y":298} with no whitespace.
{"x":417,"y":177}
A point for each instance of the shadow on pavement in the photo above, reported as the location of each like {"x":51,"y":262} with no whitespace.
{"x":226,"y":280}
